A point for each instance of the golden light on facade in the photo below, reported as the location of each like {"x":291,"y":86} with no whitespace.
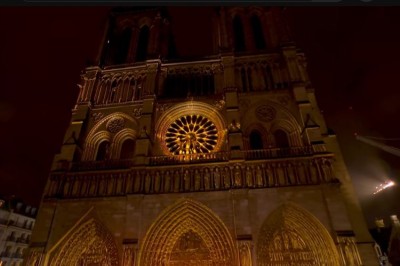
{"x":191,"y":134}
{"x":191,"y":128}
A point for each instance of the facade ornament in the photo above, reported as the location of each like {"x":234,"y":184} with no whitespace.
{"x":115,"y":124}
{"x":234,"y":126}
{"x":284,"y":100}
{"x":265,"y":113}
{"x":220,"y":104}
{"x":97,"y":116}
{"x":217,"y":68}
{"x":162,"y":107}
{"x":245,"y":253}
{"x":137,"y":112}
{"x":143,"y":132}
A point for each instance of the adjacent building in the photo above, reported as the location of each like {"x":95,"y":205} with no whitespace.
{"x":16,"y":224}
{"x":218,"y":160}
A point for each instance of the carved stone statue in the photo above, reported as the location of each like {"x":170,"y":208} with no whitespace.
{"x":249,"y":177}
{"x":217,"y":178}
{"x":207,"y":180}
{"x":167,"y":182}
{"x":238,"y":177}
{"x":245,"y":254}
{"x":186,"y":180}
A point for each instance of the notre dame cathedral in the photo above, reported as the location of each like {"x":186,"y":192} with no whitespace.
{"x":219,"y":160}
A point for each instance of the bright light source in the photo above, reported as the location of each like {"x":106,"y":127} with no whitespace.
{"x":384,"y":186}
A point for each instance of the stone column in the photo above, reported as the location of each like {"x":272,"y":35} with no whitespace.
{"x":245,"y":250}
{"x":129,"y":248}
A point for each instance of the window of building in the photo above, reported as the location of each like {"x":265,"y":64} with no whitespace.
{"x":102,"y":151}
{"x":238,"y":34}
{"x":258,"y":34}
{"x":124,"y":41}
{"x":256,"y":141}
{"x":281,"y":139}
{"x":141,"y":52}
{"x":127,"y":149}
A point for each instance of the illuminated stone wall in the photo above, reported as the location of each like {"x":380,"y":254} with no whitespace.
{"x":222,"y":161}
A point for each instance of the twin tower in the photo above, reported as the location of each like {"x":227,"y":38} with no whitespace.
{"x":223,"y":159}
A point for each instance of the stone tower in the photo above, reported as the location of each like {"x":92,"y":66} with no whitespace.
{"x":220,"y":160}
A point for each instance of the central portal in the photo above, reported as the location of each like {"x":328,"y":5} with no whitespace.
{"x":188,"y":234}
{"x":190,"y":249}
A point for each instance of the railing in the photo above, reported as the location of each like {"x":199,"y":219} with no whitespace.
{"x":190,"y":158}
{"x":101,"y":165}
{"x":278,"y":153}
{"x":193,"y":177}
{"x":275,"y":153}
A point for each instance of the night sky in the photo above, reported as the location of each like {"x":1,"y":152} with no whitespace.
{"x":353,"y":56}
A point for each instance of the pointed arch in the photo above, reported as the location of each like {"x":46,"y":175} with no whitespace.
{"x":143,"y":41}
{"x":256,"y":140}
{"x":88,"y":241}
{"x":120,"y":139}
{"x":124,"y":42}
{"x":99,"y":133}
{"x":102,"y":150}
{"x":188,"y":219}
{"x":292,"y":235}
{"x":258,"y":34}
{"x":281,"y":139}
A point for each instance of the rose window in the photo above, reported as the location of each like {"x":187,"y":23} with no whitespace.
{"x":191,"y":134}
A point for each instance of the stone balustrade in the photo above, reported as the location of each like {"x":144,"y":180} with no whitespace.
{"x":193,"y":178}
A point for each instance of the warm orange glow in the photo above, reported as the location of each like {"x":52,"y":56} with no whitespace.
{"x":384,"y":186}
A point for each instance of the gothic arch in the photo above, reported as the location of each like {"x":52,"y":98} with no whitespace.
{"x":292,"y":235}
{"x":100,"y":132}
{"x":273,"y":116}
{"x":239,"y":38}
{"x":92,"y":146}
{"x":259,"y":128}
{"x":209,"y":240}
{"x":89,"y":243}
{"x":291,"y":129}
{"x":120,"y":138}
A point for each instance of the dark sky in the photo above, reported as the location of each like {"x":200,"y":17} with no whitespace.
{"x":353,"y":56}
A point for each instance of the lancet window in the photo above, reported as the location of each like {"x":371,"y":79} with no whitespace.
{"x":258,"y":34}
{"x":102,"y":151}
{"x":238,"y":34}
{"x":143,"y":41}
{"x":190,"y":84}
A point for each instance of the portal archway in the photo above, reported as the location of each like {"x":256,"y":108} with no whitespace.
{"x":188,"y":233}
{"x":293,"y":236}
{"x":89,"y":244}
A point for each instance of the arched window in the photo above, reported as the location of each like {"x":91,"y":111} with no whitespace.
{"x":141,"y":52}
{"x":238,"y":35}
{"x":102,"y":151}
{"x":113,"y":91}
{"x":127,"y":149}
{"x":258,"y":34}
{"x":124,"y":42}
{"x":281,"y":139}
{"x":256,"y":141}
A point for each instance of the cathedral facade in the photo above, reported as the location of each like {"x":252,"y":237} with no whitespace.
{"x":220,"y":160}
